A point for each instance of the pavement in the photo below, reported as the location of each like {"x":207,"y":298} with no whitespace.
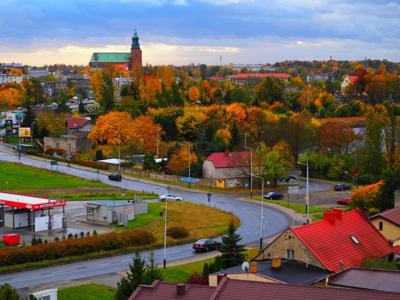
{"x":249,"y":212}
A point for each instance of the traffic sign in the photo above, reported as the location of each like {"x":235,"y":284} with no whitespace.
{"x":190,"y":179}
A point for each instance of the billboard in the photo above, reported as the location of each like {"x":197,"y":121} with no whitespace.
{"x":24,"y":132}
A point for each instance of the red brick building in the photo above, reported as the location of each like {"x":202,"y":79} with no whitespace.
{"x":122,"y":60}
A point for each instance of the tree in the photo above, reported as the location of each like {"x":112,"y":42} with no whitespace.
{"x":107,"y":93}
{"x":7,"y":292}
{"x":194,"y":94}
{"x":146,"y":132}
{"x":62,"y":102}
{"x":114,"y":128}
{"x":391,"y":183}
{"x":336,"y":138}
{"x":179,"y":161}
{"x":232,"y":252}
{"x":367,"y":198}
{"x":132,"y":279}
{"x":270,"y":90}
{"x":153,"y":272}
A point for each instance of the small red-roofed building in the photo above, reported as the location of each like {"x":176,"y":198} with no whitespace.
{"x":341,"y":240}
{"x":227,"y":166}
{"x":388,"y":223}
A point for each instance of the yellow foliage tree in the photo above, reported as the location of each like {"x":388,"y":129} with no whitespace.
{"x":11,"y":97}
{"x":149,"y":87}
{"x":114,"y":128}
{"x":166,"y":75}
{"x":179,"y":161}
{"x":194,"y":94}
{"x":367,"y":198}
{"x":96,"y":82}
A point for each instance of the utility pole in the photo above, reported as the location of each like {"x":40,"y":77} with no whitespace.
{"x":165,"y":233}
{"x":262,"y":209}
{"x":189,"y":165}
{"x":157,"y":141}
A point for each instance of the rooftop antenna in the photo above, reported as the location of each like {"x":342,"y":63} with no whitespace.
{"x":220,"y":60}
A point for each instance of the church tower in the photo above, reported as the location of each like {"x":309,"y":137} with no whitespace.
{"x":136,"y":53}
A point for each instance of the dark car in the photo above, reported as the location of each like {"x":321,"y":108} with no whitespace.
{"x":206,"y":245}
{"x":344,"y":201}
{"x":274,"y":196}
{"x":115,"y":177}
{"x":342,"y":187}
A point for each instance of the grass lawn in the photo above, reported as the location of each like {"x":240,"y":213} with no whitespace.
{"x":87,"y":292}
{"x":17,"y":177}
{"x":300,"y":208}
{"x":200,"y":220}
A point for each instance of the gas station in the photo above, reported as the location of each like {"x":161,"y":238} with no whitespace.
{"x":37,"y":214}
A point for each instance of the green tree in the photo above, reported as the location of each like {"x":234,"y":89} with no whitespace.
{"x":391,"y":183}
{"x":107,"y":93}
{"x":132,"y":279}
{"x":81,"y":107}
{"x":232,"y":252}
{"x":274,"y":166}
{"x":270,"y":90}
{"x":206,"y":271}
{"x":61,"y":100}
{"x":153,"y":272}
{"x":7,"y":292}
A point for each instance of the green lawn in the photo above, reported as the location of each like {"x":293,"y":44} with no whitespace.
{"x":152,"y":215}
{"x":87,"y":292}
{"x":182,"y":273}
{"x":17,"y":177}
{"x":300,"y":208}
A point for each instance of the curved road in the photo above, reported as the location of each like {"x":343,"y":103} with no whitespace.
{"x":248,"y":212}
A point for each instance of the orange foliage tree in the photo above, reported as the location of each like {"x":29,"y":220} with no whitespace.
{"x":10,"y":96}
{"x":114,"y":128}
{"x":194,"y":94}
{"x":336,"y":138}
{"x":166,"y":75}
{"x":179,"y":161}
{"x":367,"y":198}
{"x":145,"y":131}
{"x":96,"y":82}
{"x":149,"y":88}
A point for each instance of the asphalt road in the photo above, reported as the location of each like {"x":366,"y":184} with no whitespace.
{"x":248,"y":212}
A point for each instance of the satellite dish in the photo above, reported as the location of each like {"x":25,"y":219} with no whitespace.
{"x":246,"y":266}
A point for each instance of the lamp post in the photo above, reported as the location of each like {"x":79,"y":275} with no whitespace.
{"x":307,"y":190}
{"x":69,"y":145}
{"x":33,"y":123}
{"x":165,"y":227}
{"x":262,"y":209}
{"x":158,"y":133}
{"x":189,"y":165}
{"x":251,"y":164}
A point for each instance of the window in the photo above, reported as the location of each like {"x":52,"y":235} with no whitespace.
{"x":289,"y":254}
{"x":90,"y":211}
{"x":380,"y":226}
{"x":44,"y":298}
{"x":355,"y":240}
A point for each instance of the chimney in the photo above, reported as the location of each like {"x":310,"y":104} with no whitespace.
{"x":276,"y":262}
{"x":330,"y":216}
{"x":338,"y":213}
{"x":253,"y":267}
{"x":180,"y":289}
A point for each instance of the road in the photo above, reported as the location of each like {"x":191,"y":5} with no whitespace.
{"x":248,"y":212}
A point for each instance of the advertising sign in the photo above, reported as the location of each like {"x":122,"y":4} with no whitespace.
{"x":9,"y":127}
{"x":190,"y":179}
{"x":24,"y":132}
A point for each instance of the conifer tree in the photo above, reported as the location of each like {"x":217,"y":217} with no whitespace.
{"x":232,"y":251}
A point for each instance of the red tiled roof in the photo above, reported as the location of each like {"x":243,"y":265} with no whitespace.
{"x":232,"y":289}
{"x":229,"y":159}
{"x":163,"y":290}
{"x":396,"y":249}
{"x":74,"y":123}
{"x":392,"y":215}
{"x":261,"y":75}
{"x":353,"y":78}
{"x":332,"y":244}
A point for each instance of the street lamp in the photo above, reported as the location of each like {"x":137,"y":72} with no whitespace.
{"x":262,"y":208}
{"x":307,"y":190}
{"x":158,"y":132}
{"x":251,"y":164}
{"x":165,"y":226}
{"x":33,"y":123}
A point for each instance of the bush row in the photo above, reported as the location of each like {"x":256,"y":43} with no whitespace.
{"x":75,"y":247}
{"x":90,"y":164}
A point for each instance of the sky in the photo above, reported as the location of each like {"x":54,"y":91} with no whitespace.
{"x":180,"y":32}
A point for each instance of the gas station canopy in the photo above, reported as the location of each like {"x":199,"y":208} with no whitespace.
{"x":27,"y":202}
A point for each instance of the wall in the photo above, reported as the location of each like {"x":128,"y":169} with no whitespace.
{"x":289,"y":241}
{"x":213,"y":281}
{"x":390,"y":231}
{"x":221,"y":173}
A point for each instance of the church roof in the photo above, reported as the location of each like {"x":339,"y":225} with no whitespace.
{"x":111,"y":57}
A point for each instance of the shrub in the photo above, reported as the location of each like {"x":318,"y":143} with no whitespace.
{"x":75,"y":247}
{"x":177,"y":232}
{"x":90,"y":164}
{"x":57,"y":151}
{"x":367,"y":197}
{"x":197,"y":278}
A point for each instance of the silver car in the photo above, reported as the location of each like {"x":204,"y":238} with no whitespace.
{"x":169,"y":197}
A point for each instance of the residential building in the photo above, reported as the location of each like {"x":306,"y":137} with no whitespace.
{"x":251,"y":79}
{"x":75,"y":139}
{"x":339,"y":241}
{"x":11,"y":78}
{"x":347,"y":80}
{"x":249,"y":67}
{"x":388,"y":224}
{"x":228,"y":167}
{"x":231,"y":289}
{"x":38,"y":73}
{"x":121,"y":60}
{"x":371,"y":279}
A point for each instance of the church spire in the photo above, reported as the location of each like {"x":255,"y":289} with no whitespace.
{"x":135,"y":41}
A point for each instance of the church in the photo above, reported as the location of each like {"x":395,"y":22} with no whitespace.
{"x":122,"y":60}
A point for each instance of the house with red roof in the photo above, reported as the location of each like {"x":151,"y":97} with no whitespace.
{"x":347,"y":80}
{"x":341,"y":240}
{"x":388,"y":223}
{"x":227,"y":166}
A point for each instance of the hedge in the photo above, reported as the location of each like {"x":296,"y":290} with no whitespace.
{"x":177,"y":232}
{"x":75,"y":247}
{"x":90,"y":164}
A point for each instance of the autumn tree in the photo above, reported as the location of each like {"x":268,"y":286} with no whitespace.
{"x":49,"y":123}
{"x":188,"y":124}
{"x":149,"y":88}
{"x":270,"y":90}
{"x":336,"y":138}
{"x":194,"y":94}
{"x":145,"y":132}
{"x":179,"y":161}
{"x":114,"y":129}
{"x":11,"y":96}
{"x":166,"y":75}
{"x":103,"y":89}
{"x":367,"y":198}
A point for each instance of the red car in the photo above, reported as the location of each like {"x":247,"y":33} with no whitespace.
{"x":344,"y":201}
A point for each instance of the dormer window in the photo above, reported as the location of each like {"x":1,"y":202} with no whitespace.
{"x":355,"y":240}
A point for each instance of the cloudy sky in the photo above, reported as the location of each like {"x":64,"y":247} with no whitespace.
{"x":179,"y":32}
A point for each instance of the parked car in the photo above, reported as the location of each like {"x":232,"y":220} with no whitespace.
{"x":342,"y":187}
{"x":115,"y":177}
{"x":274,"y":196}
{"x":344,"y":201}
{"x":168,"y":197}
{"x":206,"y":245}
